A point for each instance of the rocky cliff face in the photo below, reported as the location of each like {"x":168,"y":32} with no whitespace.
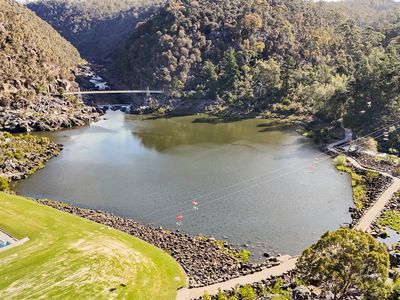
{"x":36,"y":66}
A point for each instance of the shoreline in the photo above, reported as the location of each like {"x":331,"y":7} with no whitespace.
{"x":23,"y":155}
{"x":205,"y":260}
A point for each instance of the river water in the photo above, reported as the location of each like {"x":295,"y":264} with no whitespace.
{"x":255,"y":183}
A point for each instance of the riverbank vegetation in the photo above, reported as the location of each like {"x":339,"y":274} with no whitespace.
{"x":390,"y":219}
{"x":22,"y":155}
{"x":80,"y":260}
{"x":357,"y":181}
{"x":359,"y":188}
{"x":242,"y":256}
{"x":4,"y":184}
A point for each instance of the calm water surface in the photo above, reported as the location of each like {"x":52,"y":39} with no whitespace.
{"x":254,"y":182}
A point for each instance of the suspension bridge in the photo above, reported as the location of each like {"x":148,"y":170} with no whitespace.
{"x":146,"y":92}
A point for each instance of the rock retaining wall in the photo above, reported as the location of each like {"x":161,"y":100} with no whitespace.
{"x":203,"y":260}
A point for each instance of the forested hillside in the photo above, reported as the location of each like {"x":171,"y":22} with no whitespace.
{"x":287,"y":57}
{"x":95,"y":27}
{"x":366,"y":12}
{"x":36,"y":64}
{"x":283,"y":57}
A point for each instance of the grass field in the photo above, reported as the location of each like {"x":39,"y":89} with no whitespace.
{"x":71,"y":258}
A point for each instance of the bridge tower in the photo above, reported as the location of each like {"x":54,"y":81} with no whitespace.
{"x":148,"y":92}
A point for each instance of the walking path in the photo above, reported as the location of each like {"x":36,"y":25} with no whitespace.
{"x":373,"y":212}
{"x":289,"y":263}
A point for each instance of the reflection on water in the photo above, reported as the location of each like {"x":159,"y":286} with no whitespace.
{"x":254,"y":182}
{"x":168,"y":134}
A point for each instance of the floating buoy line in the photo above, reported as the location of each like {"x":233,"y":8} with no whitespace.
{"x":312,"y":168}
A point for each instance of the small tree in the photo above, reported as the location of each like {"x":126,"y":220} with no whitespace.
{"x":346,"y":260}
{"x":230,"y":72}
{"x":367,"y":144}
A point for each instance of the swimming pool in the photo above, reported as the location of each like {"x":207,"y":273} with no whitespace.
{"x":4,"y":244}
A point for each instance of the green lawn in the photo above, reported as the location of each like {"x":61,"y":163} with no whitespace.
{"x":71,"y":258}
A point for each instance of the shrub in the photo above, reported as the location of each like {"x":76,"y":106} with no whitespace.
{"x":371,"y":176}
{"x":278,"y":292}
{"x":359,"y":195}
{"x":221,"y":295}
{"x":396,"y":171}
{"x":244,"y":256}
{"x":340,"y":160}
{"x":4,"y":184}
{"x":390,"y":219}
{"x":367,"y":144}
{"x":247,"y":292}
{"x":206,"y":296}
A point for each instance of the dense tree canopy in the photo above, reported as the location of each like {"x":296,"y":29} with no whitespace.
{"x":347,"y":262}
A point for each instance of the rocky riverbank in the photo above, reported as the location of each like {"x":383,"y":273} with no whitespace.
{"x":22,"y":155}
{"x":384,"y":163}
{"x":47,"y":113}
{"x":206,"y":261}
{"x":286,"y":286}
{"x":367,"y":190}
{"x":392,"y":205}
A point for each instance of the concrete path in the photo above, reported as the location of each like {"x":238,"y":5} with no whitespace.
{"x":288,"y":264}
{"x":373,"y":212}
{"x":348,"y":136}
